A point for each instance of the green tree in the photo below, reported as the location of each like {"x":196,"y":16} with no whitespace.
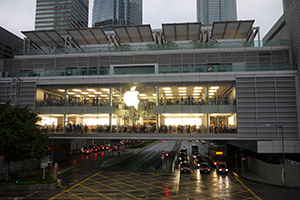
{"x":21,"y":137}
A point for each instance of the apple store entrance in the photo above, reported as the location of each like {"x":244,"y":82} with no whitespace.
{"x":137,"y":108}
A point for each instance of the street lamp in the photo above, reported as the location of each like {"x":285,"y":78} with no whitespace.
{"x":283,"y":156}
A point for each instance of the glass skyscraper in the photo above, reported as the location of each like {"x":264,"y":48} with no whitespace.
{"x":209,"y":11}
{"x":109,"y":13}
{"x":60,"y":15}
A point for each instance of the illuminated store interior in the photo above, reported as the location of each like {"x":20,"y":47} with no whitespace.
{"x":168,"y":108}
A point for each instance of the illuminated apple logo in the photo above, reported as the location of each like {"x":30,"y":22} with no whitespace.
{"x":131,"y":97}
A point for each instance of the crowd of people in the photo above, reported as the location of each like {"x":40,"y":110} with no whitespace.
{"x":53,"y":100}
{"x":188,"y":129}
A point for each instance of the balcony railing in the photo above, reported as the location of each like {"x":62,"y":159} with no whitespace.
{"x":153,"y":47}
{"x":160,"y":70}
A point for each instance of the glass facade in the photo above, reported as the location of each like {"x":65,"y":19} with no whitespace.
{"x":107,"y":14}
{"x":191,"y":108}
{"x":209,"y":11}
{"x":51,"y":14}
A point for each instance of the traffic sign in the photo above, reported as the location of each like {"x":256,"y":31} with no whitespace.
{"x":243,"y":158}
{"x":162,"y":157}
{"x":55,"y":165}
{"x":162,"y":152}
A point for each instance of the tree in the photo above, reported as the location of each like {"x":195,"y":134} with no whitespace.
{"x":21,"y":137}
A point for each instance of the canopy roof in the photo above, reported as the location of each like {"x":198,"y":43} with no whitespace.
{"x":143,"y":33}
{"x":132,"y":34}
{"x":88,"y":36}
{"x":182,"y":31}
{"x":45,"y":38}
{"x":231,"y":30}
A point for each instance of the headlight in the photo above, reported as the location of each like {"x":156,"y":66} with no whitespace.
{"x":226,"y":170}
{"x":208,"y":170}
{"x":220,"y":169}
{"x":198,"y":165}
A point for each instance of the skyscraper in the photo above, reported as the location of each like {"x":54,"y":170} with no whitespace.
{"x":209,"y":11}
{"x":109,"y":13}
{"x":60,"y":15}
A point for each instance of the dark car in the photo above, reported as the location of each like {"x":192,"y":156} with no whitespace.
{"x":86,"y":150}
{"x":222,"y":168}
{"x":204,"y":168}
{"x":94,"y":149}
{"x":183,"y":159}
{"x":185,"y":167}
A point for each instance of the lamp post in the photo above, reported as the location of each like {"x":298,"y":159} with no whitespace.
{"x":283,"y":156}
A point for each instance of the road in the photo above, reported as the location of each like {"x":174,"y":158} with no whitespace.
{"x":136,"y":177}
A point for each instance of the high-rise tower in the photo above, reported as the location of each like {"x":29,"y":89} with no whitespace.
{"x":209,"y":11}
{"x":109,"y":13}
{"x":60,"y":15}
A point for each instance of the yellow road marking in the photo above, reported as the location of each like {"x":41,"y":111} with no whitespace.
{"x":124,"y":183}
{"x":94,"y":190}
{"x":114,"y":189}
{"x":247,"y":188}
{"x":151,"y":184}
{"x":74,"y":195}
{"x":71,"y":188}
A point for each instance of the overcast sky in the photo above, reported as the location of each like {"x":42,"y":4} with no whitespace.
{"x":19,"y":15}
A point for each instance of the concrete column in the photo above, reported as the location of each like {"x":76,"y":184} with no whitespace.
{"x":110,"y":104}
{"x":157,"y":104}
{"x":208,"y":123}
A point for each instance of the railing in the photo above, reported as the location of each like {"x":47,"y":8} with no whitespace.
{"x":160,"y":70}
{"x":153,"y":47}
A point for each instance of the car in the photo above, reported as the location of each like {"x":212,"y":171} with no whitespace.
{"x":182,"y":154}
{"x":94,"y":149}
{"x":185,"y":167}
{"x":222,"y":168}
{"x":195,"y":154}
{"x":183,"y":159}
{"x":86,"y":150}
{"x":183,"y":150}
{"x":202,"y":141}
{"x":204,"y":168}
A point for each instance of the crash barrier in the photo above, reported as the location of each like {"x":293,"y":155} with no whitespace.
{"x":273,"y":173}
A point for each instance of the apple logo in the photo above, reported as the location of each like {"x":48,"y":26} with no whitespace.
{"x":131,"y":97}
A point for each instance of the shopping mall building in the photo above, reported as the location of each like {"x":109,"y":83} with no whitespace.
{"x":183,"y":81}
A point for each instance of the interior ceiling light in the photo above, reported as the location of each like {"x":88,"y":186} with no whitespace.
{"x":212,"y":90}
{"x":198,"y":88}
{"x":196,"y":94}
{"x":61,"y":90}
{"x":182,"y":91}
{"x":104,"y":95}
{"x":182,"y":88}
{"x":182,"y":114}
{"x":84,"y":93}
{"x":211,"y":94}
{"x":105,"y":89}
{"x":182,"y":94}
{"x":76,"y":90}
{"x":166,"y":88}
{"x":116,"y":95}
{"x":91,"y":95}
{"x":71,"y":92}
{"x":168,"y":91}
{"x":214,"y":87}
{"x":77,"y":95}
{"x":142,"y":95}
{"x":97,"y":92}
{"x":169,"y":94}
{"x":91,"y":90}
{"x":154,"y":95}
